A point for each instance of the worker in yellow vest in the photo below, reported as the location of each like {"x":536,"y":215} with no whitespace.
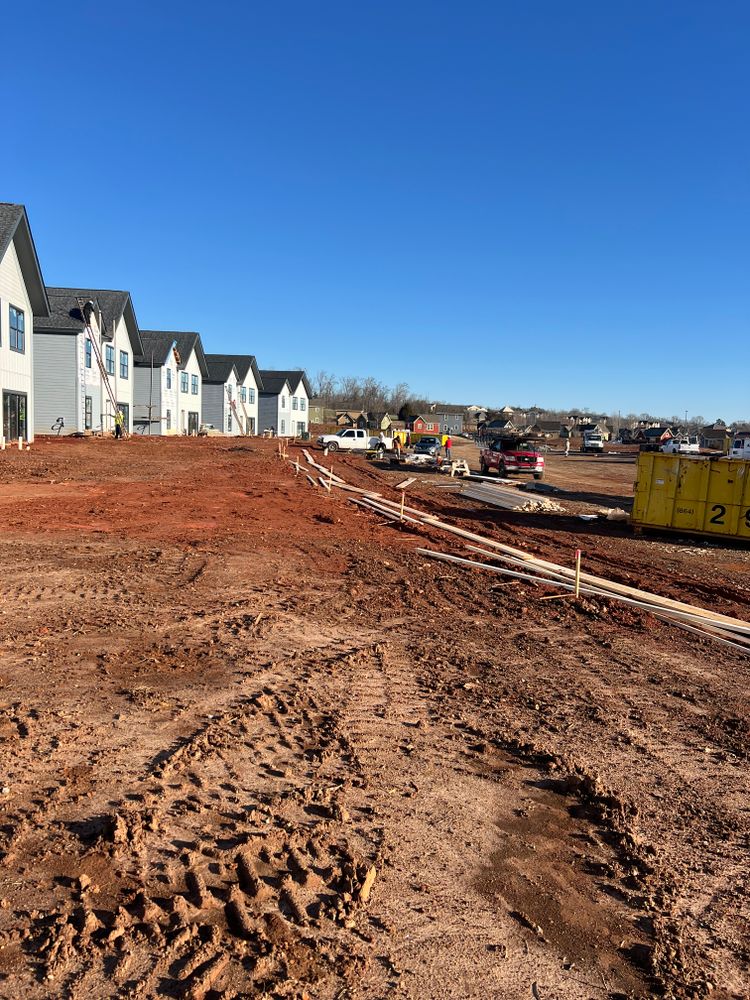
{"x":119,"y":423}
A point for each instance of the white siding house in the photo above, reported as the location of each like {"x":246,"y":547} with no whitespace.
{"x":87,"y":344}
{"x":220,"y":396}
{"x":23,"y":302}
{"x":169,"y":376}
{"x":249,"y":385}
{"x":284,"y":402}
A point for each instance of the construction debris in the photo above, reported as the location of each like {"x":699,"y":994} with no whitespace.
{"x":498,"y":496}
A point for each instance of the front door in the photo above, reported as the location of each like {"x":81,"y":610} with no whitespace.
{"x":251,"y":425}
{"x":192,"y":423}
{"x":14,"y":415}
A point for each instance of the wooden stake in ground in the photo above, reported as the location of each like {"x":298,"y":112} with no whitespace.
{"x":578,"y":573}
{"x":403,"y":498}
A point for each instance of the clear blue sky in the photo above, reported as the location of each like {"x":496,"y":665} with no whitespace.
{"x":535,"y":202}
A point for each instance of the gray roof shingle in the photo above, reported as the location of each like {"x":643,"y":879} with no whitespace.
{"x":15,"y":228}
{"x":219,"y":369}
{"x":66,"y":317}
{"x":242,"y":363}
{"x":273,"y":381}
{"x":160,"y":343}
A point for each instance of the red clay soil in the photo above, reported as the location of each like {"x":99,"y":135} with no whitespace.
{"x":253,"y":744}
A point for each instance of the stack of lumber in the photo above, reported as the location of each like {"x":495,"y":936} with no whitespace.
{"x":507,"y":499}
{"x":522,"y":565}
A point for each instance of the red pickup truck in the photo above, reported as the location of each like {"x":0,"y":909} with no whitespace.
{"x":509,"y":455}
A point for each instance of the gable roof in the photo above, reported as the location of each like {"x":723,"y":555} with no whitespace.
{"x":273,"y":382}
{"x":65,"y":312}
{"x":242,"y":364}
{"x":292,"y":377}
{"x":161,"y":341}
{"x":15,"y":228}
{"x":219,"y":369}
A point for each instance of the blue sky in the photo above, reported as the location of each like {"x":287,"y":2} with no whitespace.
{"x":495,"y":202}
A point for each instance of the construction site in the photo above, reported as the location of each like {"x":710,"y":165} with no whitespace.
{"x":285,"y":724}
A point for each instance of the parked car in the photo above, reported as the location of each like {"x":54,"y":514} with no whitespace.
{"x":740,"y":447}
{"x":681,"y":446}
{"x":512,"y":454}
{"x":427,"y":446}
{"x":208,"y":430}
{"x":354,"y":439}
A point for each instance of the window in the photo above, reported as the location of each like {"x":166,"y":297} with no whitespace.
{"x":283,"y":427}
{"x":169,"y":379}
{"x":109,"y":359}
{"x":183,"y":381}
{"x":302,"y":403}
{"x":88,"y":415}
{"x":283,"y":402}
{"x":251,"y":395}
{"x":17,"y":332}
{"x":169,"y":418}
{"x":229,"y":420}
{"x":88,"y":352}
{"x":124,"y":362}
{"x":294,"y":402}
{"x":243,"y":394}
{"x":194,"y":384}
{"x":229,"y":392}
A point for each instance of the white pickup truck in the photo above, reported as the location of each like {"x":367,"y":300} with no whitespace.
{"x":353,"y":439}
{"x":681,"y":446}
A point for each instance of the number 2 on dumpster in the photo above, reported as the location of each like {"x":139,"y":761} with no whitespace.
{"x":718,"y":517}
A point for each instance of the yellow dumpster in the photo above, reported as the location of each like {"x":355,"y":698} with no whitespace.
{"x":691,"y":494}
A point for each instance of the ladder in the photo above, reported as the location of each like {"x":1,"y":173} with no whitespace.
{"x":233,"y":407}
{"x":82,"y":304}
{"x":247,"y":418}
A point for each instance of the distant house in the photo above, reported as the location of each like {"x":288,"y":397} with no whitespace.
{"x":450,"y":418}
{"x":249,"y":384}
{"x":352,"y":418}
{"x":319,"y":414}
{"x":549,"y":428}
{"x":500,"y":424}
{"x":715,"y":436}
{"x":84,"y":360}
{"x":652,"y":435}
{"x":380,"y":421}
{"x":168,"y":389}
{"x":283,"y":402}
{"x":425,"y":425}
{"x":23,"y":304}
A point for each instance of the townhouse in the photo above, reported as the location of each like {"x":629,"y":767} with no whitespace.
{"x":169,"y":374}
{"x":83,"y":360}
{"x":249,"y":385}
{"x":220,"y":396}
{"x":23,"y":303}
{"x":284,"y":402}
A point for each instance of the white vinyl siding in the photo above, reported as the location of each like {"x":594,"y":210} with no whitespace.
{"x":16,"y":367}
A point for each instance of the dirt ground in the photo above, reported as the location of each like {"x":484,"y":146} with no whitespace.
{"x":253,"y":744}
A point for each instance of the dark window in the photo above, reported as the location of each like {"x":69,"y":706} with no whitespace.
{"x":109,"y":358}
{"x":169,"y":420}
{"x":252,"y":395}
{"x":88,"y":352}
{"x":124,"y":361}
{"x":88,"y":416}
{"x":14,"y":415}
{"x":229,"y":420}
{"x":194,"y":384}
{"x":243,"y":394}
{"x":17,"y":332}
{"x":184,"y":381}
{"x":169,"y":378}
